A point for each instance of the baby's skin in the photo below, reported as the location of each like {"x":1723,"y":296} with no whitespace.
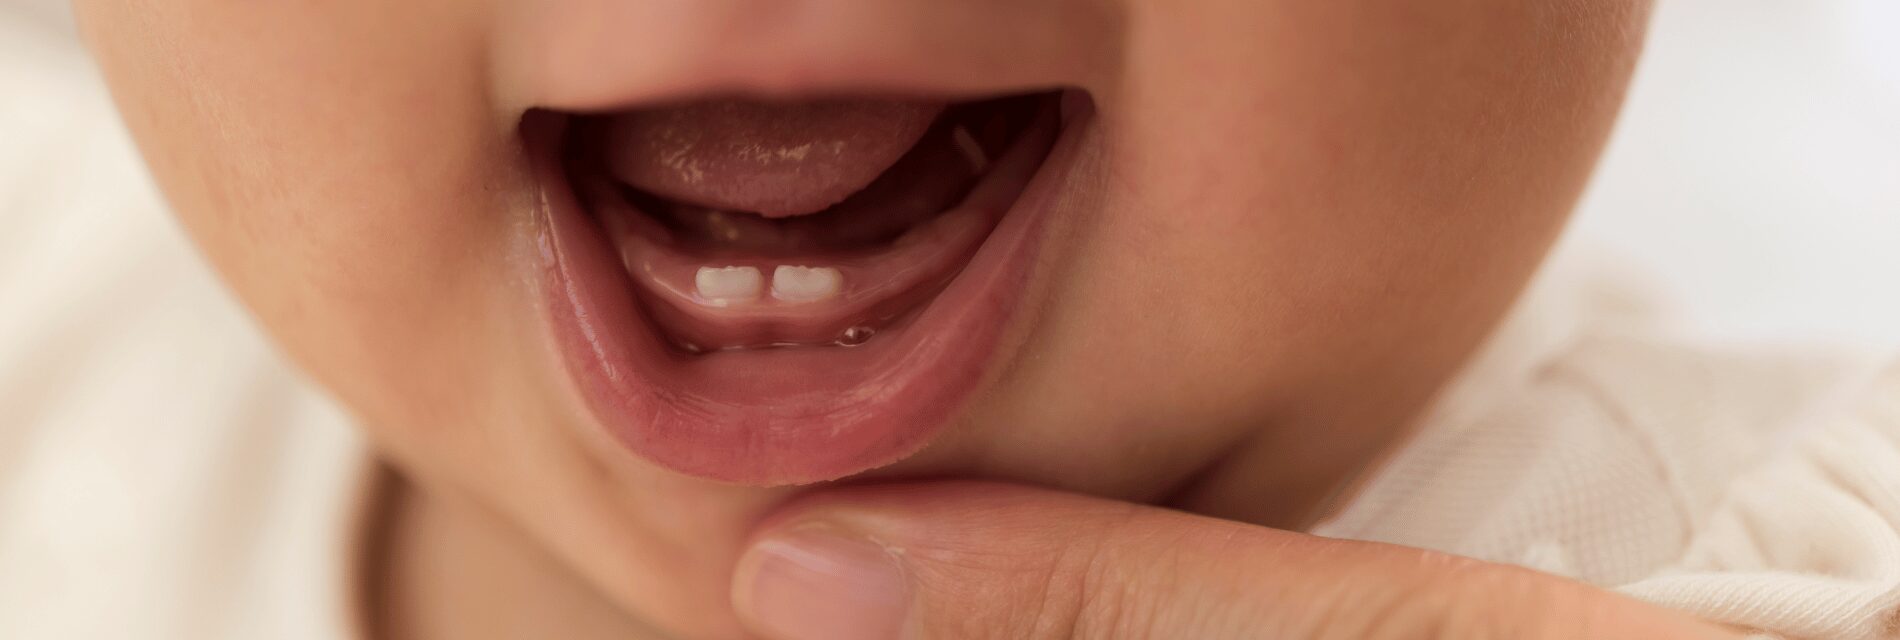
{"x":774,"y":318}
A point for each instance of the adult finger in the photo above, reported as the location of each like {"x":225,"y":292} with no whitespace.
{"x":985,"y":560}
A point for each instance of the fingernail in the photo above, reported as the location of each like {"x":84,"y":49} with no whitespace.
{"x":820,"y":584}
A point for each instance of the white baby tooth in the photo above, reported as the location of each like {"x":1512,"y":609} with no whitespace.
{"x":972,"y":151}
{"x":805,"y":284}
{"x":723,"y":285}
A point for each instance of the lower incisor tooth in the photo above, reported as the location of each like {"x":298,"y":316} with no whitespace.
{"x":805,"y":284}
{"x":721,"y":286}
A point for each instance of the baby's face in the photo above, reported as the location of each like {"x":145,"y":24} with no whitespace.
{"x":615,"y":269}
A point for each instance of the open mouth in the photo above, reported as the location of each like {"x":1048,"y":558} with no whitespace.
{"x":787,"y":292}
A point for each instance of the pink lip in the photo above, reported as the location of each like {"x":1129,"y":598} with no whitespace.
{"x":783,"y":416}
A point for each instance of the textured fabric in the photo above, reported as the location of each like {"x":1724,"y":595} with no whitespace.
{"x":1756,"y":489}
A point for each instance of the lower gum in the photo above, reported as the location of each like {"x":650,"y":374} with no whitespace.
{"x":854,"y":336}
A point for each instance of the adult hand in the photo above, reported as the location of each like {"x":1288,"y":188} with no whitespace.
{"x":987,"y":560}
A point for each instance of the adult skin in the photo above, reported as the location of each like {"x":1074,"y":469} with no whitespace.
{"x":986,"y":560}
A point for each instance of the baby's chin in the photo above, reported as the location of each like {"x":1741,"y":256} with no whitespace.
{"x":771,"y":293}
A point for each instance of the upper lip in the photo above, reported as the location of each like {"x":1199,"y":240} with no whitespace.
{"x":787,"y":417}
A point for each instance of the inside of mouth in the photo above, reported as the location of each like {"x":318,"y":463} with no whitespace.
{"x":747,"y":224}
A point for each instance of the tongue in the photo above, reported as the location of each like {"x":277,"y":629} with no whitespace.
{"x":773,"y":159}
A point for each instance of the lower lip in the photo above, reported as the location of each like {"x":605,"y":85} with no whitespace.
{"x":780,"y":416}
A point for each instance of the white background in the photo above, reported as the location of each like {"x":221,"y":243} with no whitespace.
{"x":1755,"y":174}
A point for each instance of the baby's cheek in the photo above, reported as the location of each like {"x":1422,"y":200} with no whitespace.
{"x":340,"y":164}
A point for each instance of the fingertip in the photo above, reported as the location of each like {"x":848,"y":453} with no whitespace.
{"x":813,"y":581}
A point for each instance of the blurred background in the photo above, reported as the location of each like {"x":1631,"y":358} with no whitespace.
{"x":1755,"y":174}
